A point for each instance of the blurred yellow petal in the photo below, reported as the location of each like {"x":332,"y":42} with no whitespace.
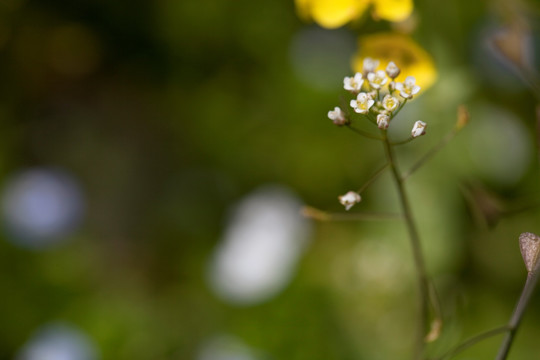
{"x":403,"y":51}
{"x":393,"y":10}
{"x":331,"y":13}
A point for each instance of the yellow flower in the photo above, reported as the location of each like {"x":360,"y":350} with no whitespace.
{"x":411,"y":59}
{"x":335,"y":13}
{"x":392,"y":10}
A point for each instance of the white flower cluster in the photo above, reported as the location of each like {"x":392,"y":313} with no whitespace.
{"x":379,"y":97}
{"x":372,"y":99}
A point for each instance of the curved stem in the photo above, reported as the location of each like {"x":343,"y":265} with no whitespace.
{"x":408,"y":140}
{"x":416,"y":248}
{"x":472,"y":341}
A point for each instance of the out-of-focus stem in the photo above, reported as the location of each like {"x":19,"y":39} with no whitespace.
{"x":445,"y":140}
{"x":521,"y":306}
{"x":472,"y":341}
{"x":416,"y":248}
{"x":374,"y":177}
{"x":321,"y":215}
{"x":408,"y":140}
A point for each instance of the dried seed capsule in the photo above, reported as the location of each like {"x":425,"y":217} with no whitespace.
{"x":529,"y":245}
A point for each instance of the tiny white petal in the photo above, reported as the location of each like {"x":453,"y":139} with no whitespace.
{"x":370,"y":65}
{"x":377,"y":79}
{"x":362,"y":103}
{"x":349,"y":199}
{"x":353,"y":84}
{"x":337,"y":116}
{"x":410,"y":80}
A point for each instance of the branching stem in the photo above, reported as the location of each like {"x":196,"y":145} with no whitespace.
{"x":364,"y":133}
{"x":416,"y":248}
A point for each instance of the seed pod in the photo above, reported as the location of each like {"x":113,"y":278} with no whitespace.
{"x":529,"y":245}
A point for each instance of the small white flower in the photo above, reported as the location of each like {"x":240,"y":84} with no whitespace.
{"x":408,"y":88}
{"x":392,"y":70}
{"x":337,"y":116}
{"x":418,"y":129}
{"x":383,"y":121}
{"x":362,"y":103}
{"x":349,"y":199}
{"x":390,"y":103}
{"x":370,"y":65}
{"x":377,"y":79}
{"x":353,"y":84}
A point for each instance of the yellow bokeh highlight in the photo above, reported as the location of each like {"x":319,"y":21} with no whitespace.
{"x":332,"y":14}
{"x":412,"y":59}
{"x":393,"y":10}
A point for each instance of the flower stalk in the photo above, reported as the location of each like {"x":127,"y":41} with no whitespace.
{"x":421,"y":273}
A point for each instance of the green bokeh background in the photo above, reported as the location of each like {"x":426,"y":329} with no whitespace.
{"x":169,"y":112}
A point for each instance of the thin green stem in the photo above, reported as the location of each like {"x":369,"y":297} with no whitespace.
{"x":364,"y":133}
{"x":371,"y":117}
{"x":521,"y":306}
{"x":472,"y":341}
{"x":430,"y":153}
{"x":408,"y":140}
{"x":321,"y":215}
{"x":416,"y":248}
{"x":373,"y":178}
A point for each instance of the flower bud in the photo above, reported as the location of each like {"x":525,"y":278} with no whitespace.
{"x":418,"y":129}
{"x":392,"y":70}
{"x":383,"y":121}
